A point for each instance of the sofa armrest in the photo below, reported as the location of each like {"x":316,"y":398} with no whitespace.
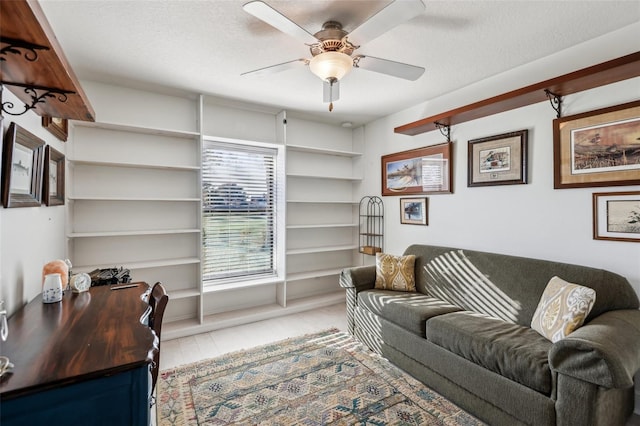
{"x":359,"y":277}
{"x":355,"y":280}
{"x":606,"y":351}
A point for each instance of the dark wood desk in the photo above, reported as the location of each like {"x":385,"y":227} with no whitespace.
{"x":84,"y":360}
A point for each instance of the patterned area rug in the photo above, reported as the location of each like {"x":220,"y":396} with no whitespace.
{"x":326,"y":378}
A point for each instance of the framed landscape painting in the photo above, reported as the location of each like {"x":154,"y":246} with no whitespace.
{"x":616,"y":216}
{"x":598,"y":148}
{"x":425,"y":170}
{"x":498,"y":160}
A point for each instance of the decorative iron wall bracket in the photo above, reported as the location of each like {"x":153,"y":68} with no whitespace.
{"x":556,"y":102}
{"x":13,"y":46}
{"x":38,"y":94}
{"x":445,"y":130}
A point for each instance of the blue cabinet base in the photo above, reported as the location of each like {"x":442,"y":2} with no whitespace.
{"x":121,"y":399}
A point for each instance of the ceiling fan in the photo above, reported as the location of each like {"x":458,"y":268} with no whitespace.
{"x":332,"y":47}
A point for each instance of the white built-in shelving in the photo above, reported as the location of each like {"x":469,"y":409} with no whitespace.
{"x":134,"y":200}
{"x":131,"y":233}
{"x":133,"y":196}
{"x":323,"y":225}
{"x":320,"y":207}
{"x":90,"y":198}
{"x":322,"y":249}
{"x":133,"y":165}
{"x":147,"y":130}
{"x":317,"y":150}
{"x":310,"y":176}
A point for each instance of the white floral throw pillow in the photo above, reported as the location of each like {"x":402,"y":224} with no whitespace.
{"x":562,"y":309}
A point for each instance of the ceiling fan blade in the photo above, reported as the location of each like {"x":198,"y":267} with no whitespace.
{"x":272,"y":69}
{"x":385,"y":66}
{"x":330,"y":91}
{"x":392,"y":15}
{"x":277,"y":20}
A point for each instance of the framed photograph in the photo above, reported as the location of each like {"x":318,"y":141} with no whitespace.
{"x":413,"y":211}
{"x":616,"y":216}
{"x":425,"y":170}
{"x":598,"y":148}
{"x":53,"y":182}
{"x":22,"y":165}
{"x":498,"y":160}
{"x":58,"y":126}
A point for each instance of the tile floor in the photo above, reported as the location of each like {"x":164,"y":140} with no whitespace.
{"x":190,"y":349}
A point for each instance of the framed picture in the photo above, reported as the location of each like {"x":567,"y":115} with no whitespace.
{"x":498,"y":160}
{"x":598,"y":148}
{"x":58,"y":126}
{"x":413,"y":211}
{"x":22,"y":165}
{"x":53,"y":182}
{"x":616,"y":216}
{"x":419,"y":171}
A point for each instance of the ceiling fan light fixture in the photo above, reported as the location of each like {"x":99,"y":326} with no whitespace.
{"x":329,"y":65}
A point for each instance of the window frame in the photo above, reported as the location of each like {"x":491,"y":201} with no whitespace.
{"x":279,"y":216}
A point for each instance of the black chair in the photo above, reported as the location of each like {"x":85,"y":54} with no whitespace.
{"x":158,"y":300}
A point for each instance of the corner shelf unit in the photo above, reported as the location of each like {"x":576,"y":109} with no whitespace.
{"x":371,"y":225}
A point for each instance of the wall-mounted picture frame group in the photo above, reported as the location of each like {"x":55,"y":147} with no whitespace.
{"x":53,"y":182}
{"x":58,"y":126}
{"x":414,"y":211}
{"x":425,"y":170}
{"x":498,"y":160}
{"x":616,"y":216}
{"x":22,"y":167}
{"x":598,"y":148}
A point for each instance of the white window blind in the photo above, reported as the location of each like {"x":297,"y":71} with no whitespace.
{"x":238,"y":212}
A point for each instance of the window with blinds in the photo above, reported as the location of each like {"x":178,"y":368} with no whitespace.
{"x":239,"y":193}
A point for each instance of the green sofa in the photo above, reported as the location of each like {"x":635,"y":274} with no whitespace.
{"x":466,"y":334}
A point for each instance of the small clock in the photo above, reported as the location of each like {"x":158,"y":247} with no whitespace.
{"x":80,"y":282}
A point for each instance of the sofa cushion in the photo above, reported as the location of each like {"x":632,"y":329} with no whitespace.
{"x":408,"y":310}
{"x":509,"y":287}
{"x":395,"y":272}
{"x":511,"y":350}
{"x":562,"y":309}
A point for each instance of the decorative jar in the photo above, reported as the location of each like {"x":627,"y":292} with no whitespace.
{"x":52,"y":288}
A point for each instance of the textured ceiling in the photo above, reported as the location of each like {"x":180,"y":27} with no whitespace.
{"x":204,"y":46}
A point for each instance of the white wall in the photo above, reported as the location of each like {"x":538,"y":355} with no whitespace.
{"x":531,"y":220}
{"x":29,"y":236}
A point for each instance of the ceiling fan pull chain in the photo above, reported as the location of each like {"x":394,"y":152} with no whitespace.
{"x":331,"y":82}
